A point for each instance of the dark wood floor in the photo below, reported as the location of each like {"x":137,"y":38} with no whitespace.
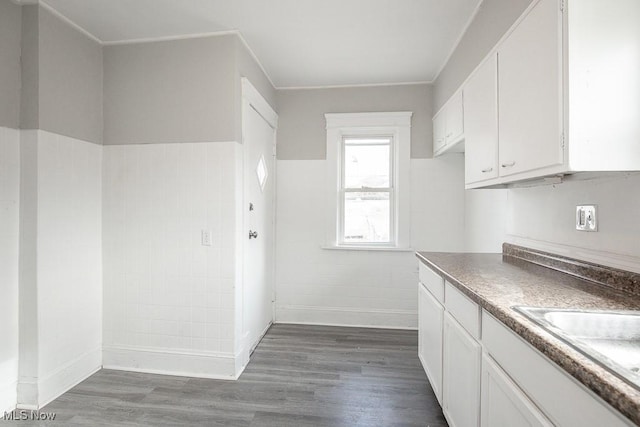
{"x":298,"y":376}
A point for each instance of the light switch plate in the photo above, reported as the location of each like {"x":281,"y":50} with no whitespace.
{"x":206,"y":237}
{"x":586,"y":218}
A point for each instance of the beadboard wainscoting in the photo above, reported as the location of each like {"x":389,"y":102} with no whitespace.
{"x":9,"y":246}
{"x":168,"y":300}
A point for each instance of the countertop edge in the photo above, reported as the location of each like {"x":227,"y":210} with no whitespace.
{"x":580,"y":368}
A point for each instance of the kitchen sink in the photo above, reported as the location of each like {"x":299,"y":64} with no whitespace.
{"x":611,"y":338}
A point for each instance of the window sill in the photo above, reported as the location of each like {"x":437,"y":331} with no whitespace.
{"x":367,"y":248}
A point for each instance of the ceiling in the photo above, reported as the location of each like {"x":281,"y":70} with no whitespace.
{"x":300,"y":43}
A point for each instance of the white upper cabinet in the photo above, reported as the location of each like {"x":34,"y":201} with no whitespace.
{"x":439,"y":129}
{"x":604,"y":84}
{"x":530,"y":92}
{"x":481,"y":123}
{"x":567,"y":85}
{"x":455,"y":119}
{"x":448,"y":126}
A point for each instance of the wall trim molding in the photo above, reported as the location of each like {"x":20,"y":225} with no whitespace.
{"x":8,"y":385}
{"x":170,"y":38}
{"x":360,"y":85}
{"x":458,"y":40}
{"x":255,"y":58}
{"x":167,"y":143}
{"x":66,"y":20}
{"x":61,"y":380}
{"x":609,"y":259}
{"x":346,"y":316}
{"x":251,"y":95}
{"x":184,"y":363}
{"x":8,"y":396}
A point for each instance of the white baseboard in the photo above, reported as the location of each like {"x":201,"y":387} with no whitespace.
{"x":27,"y":394}
{"x":354,"y":317}
{"x":53,"y":385}
{"x":220,"y":366}
{"x":8,"y":385}
{"x":8,"y":397}
{"x":609,"y":259}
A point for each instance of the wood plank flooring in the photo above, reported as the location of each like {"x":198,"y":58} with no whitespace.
{"x":299,"y":376}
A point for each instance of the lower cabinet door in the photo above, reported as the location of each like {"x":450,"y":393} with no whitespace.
{"x":430,"y":313}
{"x":461,"y":375}
{"x":503,"y":403}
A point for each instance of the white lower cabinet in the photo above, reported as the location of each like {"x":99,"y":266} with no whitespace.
{"x":503,"y":403}
{"x":430,"y":313}
{"x":461,"y":375}
{"x":484,"y":374}
{"x":560,"y":397}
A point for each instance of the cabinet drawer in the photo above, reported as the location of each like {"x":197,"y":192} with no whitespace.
{"x":564,"y":401}
{"x":465,"y":311}
{"x":432,"y":281}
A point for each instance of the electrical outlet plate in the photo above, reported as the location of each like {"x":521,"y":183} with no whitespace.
{"x":586,"y":218}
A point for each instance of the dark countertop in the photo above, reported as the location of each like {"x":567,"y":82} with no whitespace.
{"x":497,"y":282}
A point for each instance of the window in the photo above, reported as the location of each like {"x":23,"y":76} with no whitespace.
{"x":368,"y":180}
{"x":366,"y":190}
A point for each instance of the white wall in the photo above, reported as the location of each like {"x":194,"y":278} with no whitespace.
{"x":544,"y":218}
{"x":60,"y":265}
{"x":10,"y":72}
{"x":9,"y":235}
{"x":359,"y":288}
{"x":69,"y":262}
{"x":492,"y":21}
{"x":168,"y":300}
{"x":485,"y":220}
{"x":301,"y":128}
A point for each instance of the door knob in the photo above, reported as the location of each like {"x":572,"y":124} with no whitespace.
{"x":253,"y":234}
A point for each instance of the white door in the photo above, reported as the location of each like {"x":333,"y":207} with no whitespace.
{"x":258,"y":132}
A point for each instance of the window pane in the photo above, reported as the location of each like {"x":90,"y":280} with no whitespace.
{"x":366,"y":166}
{"x":366,"y":217}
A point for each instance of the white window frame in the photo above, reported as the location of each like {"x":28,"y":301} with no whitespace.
{"x":396,"y":125}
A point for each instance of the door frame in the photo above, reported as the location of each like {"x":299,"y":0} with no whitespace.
{"x":251,"y":98}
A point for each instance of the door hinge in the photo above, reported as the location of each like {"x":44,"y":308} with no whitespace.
{"x":562,"y":5}
{"x":562,"y":139}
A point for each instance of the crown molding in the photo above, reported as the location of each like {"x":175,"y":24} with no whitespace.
{"x":458,"y":40}
{"x":169,"y":38}
{"x":362,"y":85}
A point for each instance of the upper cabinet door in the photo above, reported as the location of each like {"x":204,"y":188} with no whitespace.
{"x":439,"y":131}
{"x":481,"y":123}
{"x":455,"y":119}
{"x":530,"y":92}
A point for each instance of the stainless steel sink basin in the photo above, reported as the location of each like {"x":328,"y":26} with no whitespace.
{"x":611,"y":338}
